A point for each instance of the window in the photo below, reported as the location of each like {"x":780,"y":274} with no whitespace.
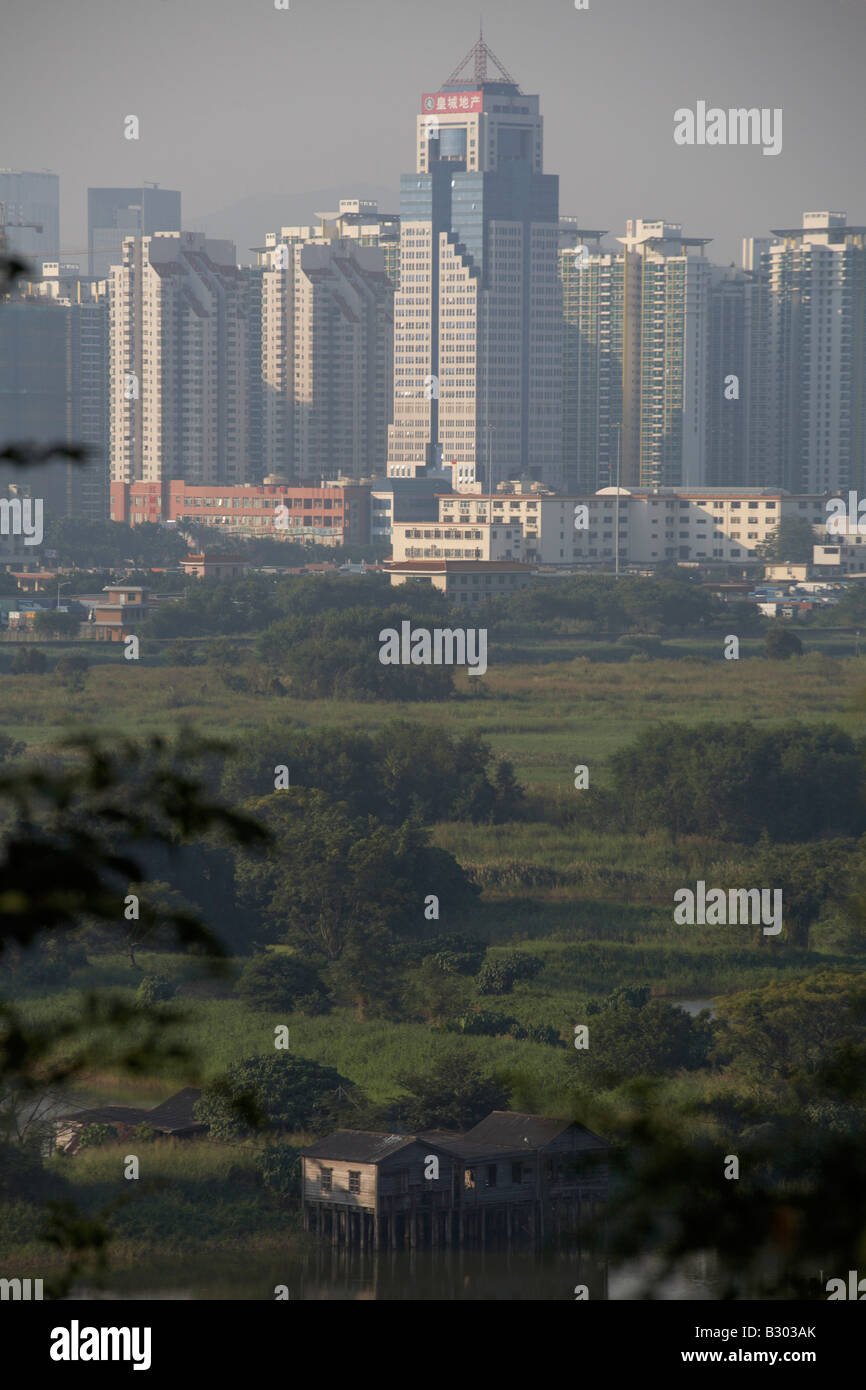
{"x":469,"y":1178}
{"x":491,"y":1175}
{"x":517,"y":1172}
{"x":354,"y":1182}
{"x":326,"y":1179}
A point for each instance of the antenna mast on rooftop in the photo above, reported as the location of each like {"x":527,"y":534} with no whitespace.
{"x":478,"y":55}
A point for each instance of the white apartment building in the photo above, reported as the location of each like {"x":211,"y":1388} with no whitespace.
{"x":816,"y":278}
{"x":481,"y":540}
{"x":713,"y":525}
{"x":178,"y":361}
{"x":843,"y":549}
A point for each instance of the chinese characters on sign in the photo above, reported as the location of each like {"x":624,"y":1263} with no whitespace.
{"x":452,"y":101}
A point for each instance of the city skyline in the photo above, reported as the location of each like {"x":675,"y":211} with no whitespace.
{"x":610,"y":79}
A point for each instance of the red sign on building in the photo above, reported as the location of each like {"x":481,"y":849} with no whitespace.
{"x":451,"y":103}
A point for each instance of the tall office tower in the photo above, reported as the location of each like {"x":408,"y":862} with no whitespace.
{"x":30,"y":213}
{"x":84,"y":306}
{"x":592,"y":367}
{"x":478,"y":316}
{"x":113,"y":214}
{"x":327,"y":321}
{"x":33,"y":393}
{"x":738,"y":414}
{"x":179,"y":361}
{"x":816,"y":281}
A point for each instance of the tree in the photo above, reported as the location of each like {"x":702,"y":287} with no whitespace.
{"x":791,"y":542}
{"x":455,"y":1093}
{"x":798,"y":1207}
{"x":809,"y":877}
{"x":791,"y":1027}
{"x":51,"y":622}
{"x":28,"y":661}
{"x":71,"y":671}
{"x":736,"y":782}
{"x":404,"y":769}
{"x":651,"y":1039}
{"x":279,"y":1093}
{"x":782,"y":643}
{"x":274,"y":981}
{"x":330,"y":879}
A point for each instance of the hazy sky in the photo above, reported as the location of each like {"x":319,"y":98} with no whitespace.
{"x":243,"y":106}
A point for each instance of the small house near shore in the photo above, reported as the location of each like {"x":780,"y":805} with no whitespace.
{"x":511,"y":1177}
{"x":173,"y":1118}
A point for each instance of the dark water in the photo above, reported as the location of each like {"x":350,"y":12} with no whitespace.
{"x":326,"y":1275}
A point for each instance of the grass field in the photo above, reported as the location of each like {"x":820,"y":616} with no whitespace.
{"x":595,"y":907}
{"x":544,"y":718}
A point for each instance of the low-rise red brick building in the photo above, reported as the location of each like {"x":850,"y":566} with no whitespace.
{"x":336,"y":513}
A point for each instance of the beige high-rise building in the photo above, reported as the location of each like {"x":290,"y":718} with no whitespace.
{"x":637,"y":337}
{"x":178,"y":359}
{"x":326,"y":344}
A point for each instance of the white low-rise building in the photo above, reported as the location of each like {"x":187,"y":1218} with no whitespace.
{"x":643,"y":526}
{"x":447,"y":540}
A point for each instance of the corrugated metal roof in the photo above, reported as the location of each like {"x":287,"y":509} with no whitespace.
{"x":465,"y":1148}
{"x":109,"y":1114}
{"x":358,"y":1146}
{"x":176,"y":1112}
{"x":173,"y":1114}
{"x":506,"y":1128}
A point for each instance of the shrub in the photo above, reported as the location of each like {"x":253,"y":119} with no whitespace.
{"x":279,"y":1167}
{"x":538,"y":1033}
{"x":144,"y":1134}
{"x":484,"y":1024}
{"x":502,"y":973}
{"x":94,"y":1136}
{"x":781,"y":643}
{"x":154,"y":989}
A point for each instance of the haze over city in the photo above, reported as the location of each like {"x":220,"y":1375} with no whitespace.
{"x":260,"y":116}
{"x":432,"y":686}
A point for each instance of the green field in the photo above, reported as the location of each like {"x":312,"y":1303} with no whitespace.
{"x":595,"y":907}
